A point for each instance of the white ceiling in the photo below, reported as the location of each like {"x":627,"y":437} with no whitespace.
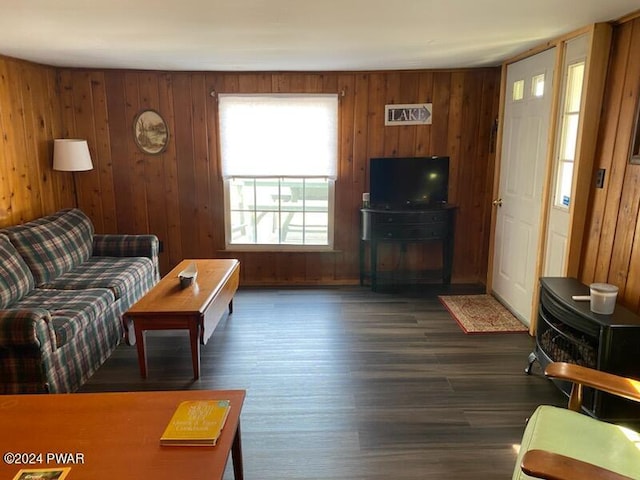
{"x":276,"y":35}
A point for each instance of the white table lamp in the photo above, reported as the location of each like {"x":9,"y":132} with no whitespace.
{"x":71,"y":155}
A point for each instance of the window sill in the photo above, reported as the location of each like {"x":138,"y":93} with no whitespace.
{"x":280,"y":249}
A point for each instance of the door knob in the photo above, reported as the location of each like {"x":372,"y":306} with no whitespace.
{"x":497,"y":202}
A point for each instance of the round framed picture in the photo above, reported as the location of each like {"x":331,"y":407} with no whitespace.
{"x":150,"y":132}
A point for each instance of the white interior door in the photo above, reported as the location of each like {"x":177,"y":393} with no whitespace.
{"x":527,"y":116}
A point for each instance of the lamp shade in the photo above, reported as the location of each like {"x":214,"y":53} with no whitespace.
{"x":71,"y":155}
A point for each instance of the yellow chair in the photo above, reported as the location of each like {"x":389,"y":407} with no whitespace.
{"x":564,"y":444}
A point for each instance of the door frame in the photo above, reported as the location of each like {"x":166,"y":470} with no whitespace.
{"x":593,"y":93}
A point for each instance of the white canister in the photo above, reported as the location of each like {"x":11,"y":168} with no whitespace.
{"x":603,"y":298}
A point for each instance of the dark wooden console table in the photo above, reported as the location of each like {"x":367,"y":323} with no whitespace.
{"x":405,"y":226}
{"x":569,"y":331}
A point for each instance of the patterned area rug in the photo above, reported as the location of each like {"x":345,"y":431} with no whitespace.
{"x":481,"y":314}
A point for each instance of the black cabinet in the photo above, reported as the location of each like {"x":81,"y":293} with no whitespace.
{"x":569,"y":331}
{"x":405,"y":226}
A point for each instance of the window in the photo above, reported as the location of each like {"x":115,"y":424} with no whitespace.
{"x":569,"y":120}
{"x":518,"y":90}
{"x":279,"y":164}
{"x":537,"y":86}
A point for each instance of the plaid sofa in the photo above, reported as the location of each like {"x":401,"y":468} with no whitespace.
{"x":63,"y":291}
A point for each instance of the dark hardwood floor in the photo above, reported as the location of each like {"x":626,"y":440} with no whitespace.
{"x":344,"y":383}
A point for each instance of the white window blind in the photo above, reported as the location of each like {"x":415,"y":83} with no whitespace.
{"x":278,"y":135}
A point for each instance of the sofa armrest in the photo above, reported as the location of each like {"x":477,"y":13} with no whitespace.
{"x":553,"y":466}
{"x":114,"y":245}
{"x":26,"y":327}
{"x":587,"y":377}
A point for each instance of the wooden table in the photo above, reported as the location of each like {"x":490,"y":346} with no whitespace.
{"x":197,"y":308}
{"x":114,"y":435}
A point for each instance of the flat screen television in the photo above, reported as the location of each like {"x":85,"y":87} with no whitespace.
{"x":415,"y":182}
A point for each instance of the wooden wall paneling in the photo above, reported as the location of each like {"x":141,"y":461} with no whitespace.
{"x":153,"y":165}
{"x":40,"y":95}
{"x":458,"y":101}
{"x":615,"y":235}
{"x":29,"y":119}
{"x":329,"y":83}
{"x":297,"y":83}
{"x":30,"y":106}
{"x":172,"y":239}
{"x":122,"y":163}
{"x":490,"y":112}
{"x":422,"y":145}
{"x":617,"y":166}
{"x":203,"y":166}
{"x":187,"y":196}
{"x":376,"y":99}
{"x":265,"y":269}
{"x":102,"y":164}
{"x":231,"y":83}
{"x":392,"y":97}
{"x":8,"y":145}
{"x":280,"y":83}
{"x":321,"y":269}
{"x":138,"y":176}
{"x":21,"y":206}
{"x":632,"y":290}
{"x":315,"y":270}
{"x":288,"y":267}
{"x":459,"y":181}
{"x":67,"y":118}
{"x":408,"y":94}
{"x":254,"y":83}
{"x":87,"y":183}
{"x":313,"y":83}
{"x":481,"y":192}
{"x":630,"y":196}
{"x":471,"y":180}
{"x":67,"y":85}
{"x":288,"y":83}
{"x":55,"y":125}
{"x":598,"y":223}
{"x":360,"y":163}
{"x":441,"y":105}
{"x":361,"y":136}
{"x":345,"y":231}
{"x":375,"y":120}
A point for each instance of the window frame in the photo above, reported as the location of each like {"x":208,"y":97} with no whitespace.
{"x":280,"y":175}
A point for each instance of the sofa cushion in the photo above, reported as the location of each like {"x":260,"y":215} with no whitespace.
{"x":71,"y":310}
{"x":120,"y":275}
{"x":54,"y":244}
{"x":581,"y":437}
{"x":15,"y":277}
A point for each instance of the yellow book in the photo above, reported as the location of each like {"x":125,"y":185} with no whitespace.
{"x":196,"y":422}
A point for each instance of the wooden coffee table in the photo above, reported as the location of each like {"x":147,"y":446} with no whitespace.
{"x":113,"y":435}
{"x":197,"y":308}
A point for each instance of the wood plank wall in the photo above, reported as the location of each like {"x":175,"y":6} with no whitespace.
{"x":29,"y":121}
{"x":178,"y":194}
{"x":612,"y":243}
